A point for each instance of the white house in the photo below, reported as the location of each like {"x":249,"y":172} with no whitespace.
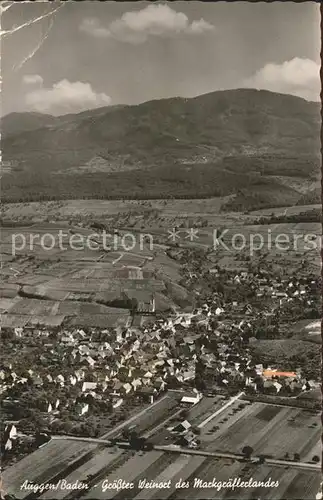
{"x":117,"y":403}
{"x":89,"y":386}
{"x":127,"y":388}
{"x":8,"y":445}
{"x":12,"y":431}
{"x":60,"y":379}
{"x":192,"y":399}
{"x":91,"y":361}
{"x":82,"y":408}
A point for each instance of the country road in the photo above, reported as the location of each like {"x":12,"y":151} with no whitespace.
{"x":118,"y":258}
{"x":186,"y":451}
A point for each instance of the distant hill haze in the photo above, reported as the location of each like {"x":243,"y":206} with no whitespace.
{"x":246,"y":143}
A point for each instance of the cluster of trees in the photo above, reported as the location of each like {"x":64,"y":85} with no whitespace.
{"x":298,"y":353}
{"x":200,"y":371}
{"x":308,"y":216}
{"x":163,"y":181}
{"x":274,"y":165}
{"x":136,"y":441}
{"x":123,"y":302}
{"x":247,"y":451}
{"x":247,"y":199}
{"x":87,"y":428}
{"x":309,"y":404}
{"x":155,"y":183}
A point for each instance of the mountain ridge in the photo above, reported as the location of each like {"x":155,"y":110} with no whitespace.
{"x":187,"y":145}
{"x":39,"y":120}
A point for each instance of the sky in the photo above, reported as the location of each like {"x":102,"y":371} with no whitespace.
{"x":65,"y":57}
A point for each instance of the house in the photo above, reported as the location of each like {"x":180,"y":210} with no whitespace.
{"x":187,"y":439}
{"x":82,"y":408}
{"x":68,"y":340}
{"x":84,"y":349}
{"x":259,"y":369}
{"x":117,"y":403}
{"x":81,"y":333}
{"x":10,"y":432}
{"x":182,"y":427}
{"x":117,"y":387}
{"x":89,"y":386}
{"x":9,"y":435}
{"x":274,"y":373}
{"x":119,"y":335}
{"x":188,"y":375}
{"x":296,"y":386}
{"x":126,"y":388}
{"x":310,"y":384}
{"x":268,"y":385}
{"x":91,"y":361}
{"x":147,"y":393}
{"x":160,"y":384}
{"x":8,"y":445}
{"x":79,"y":374}
{"x":190,"y":437}
{"x":136,"y":383}
{"x":60,"y":379}
{"x":277,"y":386}
{"x":18,"y":332}
{"x":136,"y":345}
{"x":38,"y":381}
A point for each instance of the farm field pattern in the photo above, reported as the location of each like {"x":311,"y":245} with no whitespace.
{"x":273,"y":435}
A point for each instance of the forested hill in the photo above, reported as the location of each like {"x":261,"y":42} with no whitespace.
{"x":243,"y":142}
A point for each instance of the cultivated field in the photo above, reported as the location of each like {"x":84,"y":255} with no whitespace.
{"x":100,"y":461}
{"x":293,"y":484}
{"x":56,"y":456}
{"x":162,"y":467}
{"x":152,"y":214}
{"x":276,"y":430}
{"x":79,"y":287}
{"x":44,"y":464}
{"x":101,"y":276}
{"x":273,"y":433}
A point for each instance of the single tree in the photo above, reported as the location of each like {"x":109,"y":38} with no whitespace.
{"x":247,"y":451}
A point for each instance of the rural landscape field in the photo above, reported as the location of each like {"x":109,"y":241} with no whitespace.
{"x":161,"y":243}
{"x":58,"y":294}
{"x":168,"y":463}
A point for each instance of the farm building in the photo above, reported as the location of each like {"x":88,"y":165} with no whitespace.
{"x":275,"y":373}
{"x":183,"y":426}
{"x":193,"y":398}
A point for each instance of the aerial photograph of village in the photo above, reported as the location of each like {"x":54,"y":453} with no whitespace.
{"x":161,"y":219}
